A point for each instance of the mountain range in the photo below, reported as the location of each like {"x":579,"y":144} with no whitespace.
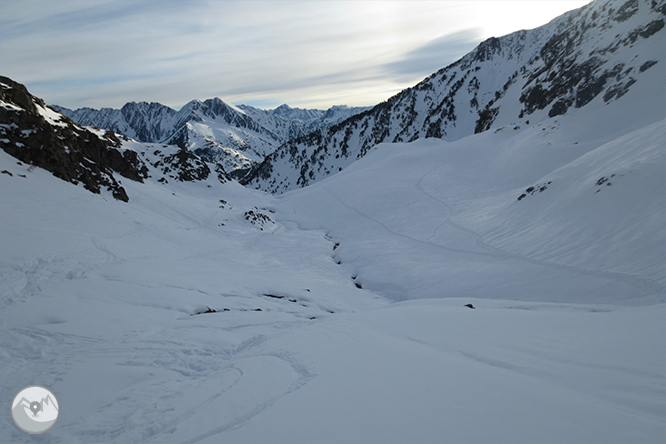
{"x":236,"y":136}
{"x":588,"y":57}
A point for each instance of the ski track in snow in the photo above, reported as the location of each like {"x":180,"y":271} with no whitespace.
{"x":49,"y":356}
{"x":132,"y":364}
{"x":644,"y":284}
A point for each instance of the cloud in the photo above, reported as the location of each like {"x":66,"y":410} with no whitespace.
{"x":434,"y":55}
{"x":73,"y":15}
{"x":107,"y":52}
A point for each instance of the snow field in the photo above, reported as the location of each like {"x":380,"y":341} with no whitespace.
{"x":438,"y":219}
{"x":99,"y":299}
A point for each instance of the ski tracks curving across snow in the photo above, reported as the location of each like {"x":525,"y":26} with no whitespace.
{"x":643,"y":284}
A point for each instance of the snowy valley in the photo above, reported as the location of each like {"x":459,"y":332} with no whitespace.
{"x":503,"y":285}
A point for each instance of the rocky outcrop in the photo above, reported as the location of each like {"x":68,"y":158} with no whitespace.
{"x":36,"y":134}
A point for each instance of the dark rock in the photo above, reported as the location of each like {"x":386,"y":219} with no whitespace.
{"x":626,"y":11}
{"x":67,"y":150}
{"x":257,"y":218}
{"x":647,"y":65}
{"x":560,"y":107}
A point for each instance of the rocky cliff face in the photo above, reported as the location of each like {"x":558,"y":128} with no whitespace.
{"x":36,"y":134}
{"x":590,"y":56}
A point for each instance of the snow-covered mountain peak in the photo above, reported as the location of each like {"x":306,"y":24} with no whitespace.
{"x":582,"y":61}
{"x":238,"y":136}
{"x":305,"y":115}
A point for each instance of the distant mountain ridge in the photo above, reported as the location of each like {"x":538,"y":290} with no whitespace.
{"x":39,"y":136}
{"x":237,"y":137}
{"x":592,"y":55}
{"x":290,"y":123}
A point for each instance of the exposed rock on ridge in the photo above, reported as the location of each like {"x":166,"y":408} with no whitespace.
{"x":595,"y":53}
{"x":37,"y":135}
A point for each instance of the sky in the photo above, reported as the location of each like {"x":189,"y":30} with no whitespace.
{"x":309,"y":54}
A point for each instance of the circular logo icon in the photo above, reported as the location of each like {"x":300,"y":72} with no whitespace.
{"x":35,"y":409}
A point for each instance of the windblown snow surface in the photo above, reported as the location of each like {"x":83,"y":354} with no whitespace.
{"x":340,"y":313}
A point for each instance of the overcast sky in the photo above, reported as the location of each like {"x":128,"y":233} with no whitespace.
{"x":313,"y":54}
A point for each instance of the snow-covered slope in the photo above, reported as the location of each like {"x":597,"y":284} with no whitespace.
{"x":536,"y":215}
{"x":203,"y":311}
{"x":580,"y":62}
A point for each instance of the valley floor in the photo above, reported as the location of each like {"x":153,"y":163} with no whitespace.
{"x":342,"y":318}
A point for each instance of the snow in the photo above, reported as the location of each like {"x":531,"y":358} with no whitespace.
{"x":205,"y":312}
{"x":101,"y":133}
{"x":100,"y":298}
{"x":52,"y":117}
{"x":10,"y":106}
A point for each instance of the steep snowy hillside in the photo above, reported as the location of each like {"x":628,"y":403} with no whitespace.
{"x":583,"y":61}
{"x":502,"y":215}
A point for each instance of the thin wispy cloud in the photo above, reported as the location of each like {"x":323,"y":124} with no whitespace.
{"x":311,"y":54}
{"x":435,"y":54}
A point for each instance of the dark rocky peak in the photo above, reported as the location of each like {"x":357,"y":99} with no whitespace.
{"x":147,"y":110}
{"x":217,"y":109}
{"x":147,"y":120}
{"x":16,"y":94}
{"x":305,"y":115}
{"x":38,"y":135}
{"x":487,"y":50}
